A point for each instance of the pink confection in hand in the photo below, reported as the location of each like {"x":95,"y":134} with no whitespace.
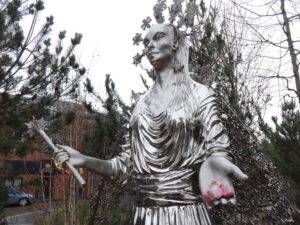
{"x":216,"y":191}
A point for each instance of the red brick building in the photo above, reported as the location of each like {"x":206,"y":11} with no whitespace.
{"x":35,"y":172}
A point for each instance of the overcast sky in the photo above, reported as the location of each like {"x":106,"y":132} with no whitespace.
{"x":108,"y":28}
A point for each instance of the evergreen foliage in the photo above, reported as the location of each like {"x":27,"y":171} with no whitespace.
{"x":283,"y":143}
{"x":264,"y":197}
{"x":34,"y":72}
{"x":105,"y":142}
{"x":110,"y":127}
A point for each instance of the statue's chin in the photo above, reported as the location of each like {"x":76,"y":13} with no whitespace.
{"x":160,"y":64}
{"x":156,"y":64}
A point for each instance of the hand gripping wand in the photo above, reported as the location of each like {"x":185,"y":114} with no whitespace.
{"x":36,"y":126}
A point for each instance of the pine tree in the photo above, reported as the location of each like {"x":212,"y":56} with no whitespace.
{"x":283,"y":143}
{"x":105,"y":142}
{"x":110,"y":123}
{"x":34,"y":73}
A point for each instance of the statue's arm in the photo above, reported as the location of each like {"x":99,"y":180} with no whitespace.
{"x":111,"y":167}
{"x":100,"y":166}
{"x":214,"y":175}
{"x":215,"y":136}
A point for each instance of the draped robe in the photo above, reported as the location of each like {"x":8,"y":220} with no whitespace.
{"x":164,"y":153}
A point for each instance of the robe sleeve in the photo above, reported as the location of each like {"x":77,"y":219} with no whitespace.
{"x":215,"y":137}
{"x":121,"y":164}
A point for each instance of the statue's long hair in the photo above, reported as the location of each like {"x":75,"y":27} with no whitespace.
{"x":180,"y":57}
{"x":182,"y":94}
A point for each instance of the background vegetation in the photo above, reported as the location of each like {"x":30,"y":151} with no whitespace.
{"x":226,"y":52}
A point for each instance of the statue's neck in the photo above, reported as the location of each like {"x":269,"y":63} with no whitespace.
{"x":167,"y":78}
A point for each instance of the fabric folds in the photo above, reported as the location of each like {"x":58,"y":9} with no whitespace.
{"x":195,"y":214}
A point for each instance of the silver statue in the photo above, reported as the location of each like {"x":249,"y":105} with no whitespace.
{"x":175,"y":135}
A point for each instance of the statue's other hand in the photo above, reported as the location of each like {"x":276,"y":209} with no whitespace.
{"x":69,"y":154}
{"x":215,"y":182}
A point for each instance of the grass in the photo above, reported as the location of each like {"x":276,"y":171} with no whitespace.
{"x":58,"y":216}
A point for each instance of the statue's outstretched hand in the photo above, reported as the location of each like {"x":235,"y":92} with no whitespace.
{"x":69,"y":154}
{"x":215,"y":182}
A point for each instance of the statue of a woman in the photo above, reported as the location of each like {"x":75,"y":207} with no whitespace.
{"x":175,"y":139}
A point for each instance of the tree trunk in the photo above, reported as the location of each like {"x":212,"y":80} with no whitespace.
{"x":287,"y":32}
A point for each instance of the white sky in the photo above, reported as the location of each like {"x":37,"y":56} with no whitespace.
{"x":108,"y":28}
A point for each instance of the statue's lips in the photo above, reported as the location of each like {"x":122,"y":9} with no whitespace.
{"x":153,"y":53}
{"x":151,"y":56}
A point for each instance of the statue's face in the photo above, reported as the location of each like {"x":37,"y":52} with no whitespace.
{"x":158,"y":45}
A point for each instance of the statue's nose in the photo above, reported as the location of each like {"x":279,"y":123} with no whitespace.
{"x":151,"y":45}
{"x":148,"y":49}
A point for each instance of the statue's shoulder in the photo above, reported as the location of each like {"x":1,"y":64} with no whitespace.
{"x":201,"y":91}
{"x":138,"y":106}
{"x":136,"y":97}
{"x":140,"y":99}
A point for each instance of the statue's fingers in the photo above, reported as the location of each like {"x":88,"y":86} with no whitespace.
{"x":62,"y":153}
{"x":223,"y":201}
{"x":62,"y":147}
{"x":63,"y":159}
{"x":232,"y":201}
{"x":229,"y":167}
{"x":57,"y":154}
{"x":60,"y":158}
{"x":216,"y":202}
{"x":65,"y":148}
{"x":224,"y":165}
{"x":238,"y":173}
{"x":58,"y":151}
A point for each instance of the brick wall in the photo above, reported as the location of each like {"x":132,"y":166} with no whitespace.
{"x":38,"y":183}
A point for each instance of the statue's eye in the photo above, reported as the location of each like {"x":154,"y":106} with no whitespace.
{"x":159,"y":35}
{"x":146,"y":42}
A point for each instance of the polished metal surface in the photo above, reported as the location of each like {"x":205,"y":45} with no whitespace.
{"x":173,"y":129}
{"x":195,"y":214}
{"x":174,"y":142}
{"x":167,"y":149}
